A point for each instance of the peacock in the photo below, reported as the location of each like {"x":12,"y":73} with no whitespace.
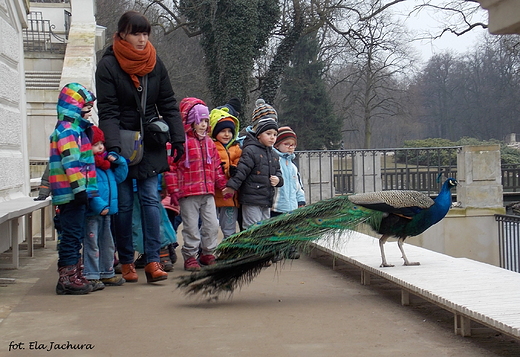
{"x":242,"y":256}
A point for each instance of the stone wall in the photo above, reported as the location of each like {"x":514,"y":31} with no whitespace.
{"x":14,"y":164}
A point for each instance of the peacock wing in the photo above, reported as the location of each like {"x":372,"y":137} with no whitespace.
{"x":402,"y":202}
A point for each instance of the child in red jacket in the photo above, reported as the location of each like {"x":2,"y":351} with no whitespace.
{"x":194,"y":179}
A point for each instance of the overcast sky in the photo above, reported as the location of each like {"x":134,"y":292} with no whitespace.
{"x":424,"y":21}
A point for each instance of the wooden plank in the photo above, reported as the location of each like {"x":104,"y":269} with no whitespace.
{"x":12,"y":211}
{"x":19,"y":207}
{"x":472,"y":290}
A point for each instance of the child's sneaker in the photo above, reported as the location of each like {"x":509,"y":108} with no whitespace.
{"x":117,"y":268}
{"x":207,"y":259}
{"x":96,"y":284}
{"x":113,"y":281}
{"x":191,"y":264}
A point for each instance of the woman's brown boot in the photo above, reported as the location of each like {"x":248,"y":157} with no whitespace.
{"x":129,"y":274}
{"x":154,"y":272}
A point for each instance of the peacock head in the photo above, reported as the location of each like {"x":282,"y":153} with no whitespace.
{"x":450,"y":183}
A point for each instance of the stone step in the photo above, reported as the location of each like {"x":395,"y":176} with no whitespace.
{"x":42,"y":79}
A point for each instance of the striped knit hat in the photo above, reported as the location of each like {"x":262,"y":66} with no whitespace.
{"x":285,"y":132}
{"x":263,"y":110}
{"x":264,"y":124}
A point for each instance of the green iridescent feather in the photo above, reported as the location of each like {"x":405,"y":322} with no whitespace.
{"x":242,"y":256}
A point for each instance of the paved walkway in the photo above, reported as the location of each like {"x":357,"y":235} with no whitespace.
{"x":304,"y":309}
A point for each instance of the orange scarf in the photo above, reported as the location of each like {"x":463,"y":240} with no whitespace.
{"x":134,"y":62}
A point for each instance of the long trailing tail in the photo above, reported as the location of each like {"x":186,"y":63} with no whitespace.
{"x":242,"y":256}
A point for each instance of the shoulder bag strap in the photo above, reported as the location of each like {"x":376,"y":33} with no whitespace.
{"x":141,"y":103}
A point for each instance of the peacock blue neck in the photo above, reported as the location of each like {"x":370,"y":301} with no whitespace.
{"x":442,"y":203}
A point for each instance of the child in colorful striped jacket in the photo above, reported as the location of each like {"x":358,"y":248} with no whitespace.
{"x":72,"y":175}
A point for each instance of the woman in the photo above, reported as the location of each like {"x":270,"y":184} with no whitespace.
{"x":119,"y":76}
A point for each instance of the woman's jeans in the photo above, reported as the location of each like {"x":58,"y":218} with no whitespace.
{"x":98,"y":248}
{"x":148,"y":195}
{"x":72,"y":221}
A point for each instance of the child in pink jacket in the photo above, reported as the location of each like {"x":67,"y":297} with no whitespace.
{"x":193,"y":181}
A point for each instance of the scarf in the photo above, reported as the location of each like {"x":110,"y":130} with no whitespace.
{"x":134,"y":62}
{"x":101,"y":160}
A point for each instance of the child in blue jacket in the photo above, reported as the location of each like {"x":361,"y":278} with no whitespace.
{"x":290,"y":196}
{"x":99,"y":248}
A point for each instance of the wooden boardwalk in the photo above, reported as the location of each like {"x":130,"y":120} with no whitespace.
{"x":471,"y":290}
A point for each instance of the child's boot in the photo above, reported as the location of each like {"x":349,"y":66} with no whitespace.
{"x":70,"y":283}
{"x":166,"y":263}
{"x":173,"y":253}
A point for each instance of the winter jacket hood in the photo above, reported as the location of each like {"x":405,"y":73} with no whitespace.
{"x":218,"y":115}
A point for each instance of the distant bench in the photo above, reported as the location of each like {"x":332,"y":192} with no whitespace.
{"x":471,"y":290}
{"x":11,"y":212}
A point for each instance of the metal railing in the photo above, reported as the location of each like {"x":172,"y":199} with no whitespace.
{"x":509,"y":241}
{"x":511,"y":178}
{"x":399,"y":169}
{"x":40,"y":37}
{"x":52,"y":1}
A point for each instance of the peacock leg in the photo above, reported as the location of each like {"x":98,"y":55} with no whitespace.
{"x":382,"y":242}
{"x":400,"y":243}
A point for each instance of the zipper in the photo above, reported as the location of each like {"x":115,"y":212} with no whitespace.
{"x":203,"y":166}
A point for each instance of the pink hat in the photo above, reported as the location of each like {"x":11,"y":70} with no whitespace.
{"x":198,"y":113}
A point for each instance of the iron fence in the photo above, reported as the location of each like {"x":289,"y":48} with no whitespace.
{"x":509,"y":241}
{"x":398,"y":169}
{"x":511,"y":178}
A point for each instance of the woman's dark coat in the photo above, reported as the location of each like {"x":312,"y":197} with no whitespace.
{"x":117,"y":108}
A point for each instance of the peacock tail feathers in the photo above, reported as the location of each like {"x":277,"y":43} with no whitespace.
{"x":298,"y":228}
{"x":224,"y":277}
{"x":242,"y":256}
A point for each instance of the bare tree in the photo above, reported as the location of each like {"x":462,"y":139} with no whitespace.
{"x":378,"y":57}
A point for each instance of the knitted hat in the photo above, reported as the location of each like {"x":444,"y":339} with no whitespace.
{"x":264,"y":125}
{"x":235,"y":103}
{"x":185,"y":107}
{"x":198,"y":113}
{"x":263,"y":110}
{"x":226,"y":123}
{"x":98,"y":135}
{"x":285,"y":132}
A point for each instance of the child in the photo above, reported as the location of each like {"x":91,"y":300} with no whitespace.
{"x":224,"y":131}
{"x":194,"y":179}
{"x":168,"y":234}
{"x":72,"y":176}
{"x":233,"y":106}
{"x":291,"y":195}
{"x":258,"y":170}
{"x":99,"y":248}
